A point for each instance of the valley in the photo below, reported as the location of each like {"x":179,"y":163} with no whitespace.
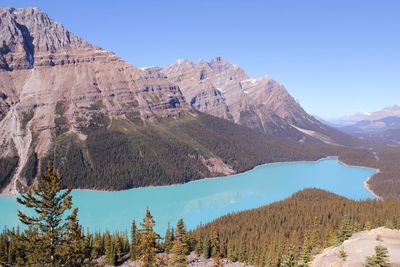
{"x":227,"y":168}
{"x":203,"y":201}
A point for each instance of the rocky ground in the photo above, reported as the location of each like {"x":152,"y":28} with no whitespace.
{"x":194,"y":261}
{"x":359,"y":247}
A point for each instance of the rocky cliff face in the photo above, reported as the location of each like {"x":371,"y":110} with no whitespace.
{"x":109,"y":125}
{"x":224,"y":90}
{"x":53,"y":81}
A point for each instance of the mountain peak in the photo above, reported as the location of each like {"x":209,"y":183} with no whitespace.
{"x":71,"y":86}
{"x":224,"y":90}
{"x":395,"y":107}
{"x":28,"y":33}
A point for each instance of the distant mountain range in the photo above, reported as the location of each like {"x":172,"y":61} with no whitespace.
{"x":109,"y":125}
{"x":390,"y":111}
{"x":382,"y":126}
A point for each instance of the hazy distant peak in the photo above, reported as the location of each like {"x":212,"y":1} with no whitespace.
{"x":392,"y":108}
{"x":390,"y":111}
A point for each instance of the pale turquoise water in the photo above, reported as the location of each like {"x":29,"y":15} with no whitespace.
{"x":204,"y":200}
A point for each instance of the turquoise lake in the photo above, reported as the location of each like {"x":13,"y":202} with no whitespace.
{"x":204,"y":200}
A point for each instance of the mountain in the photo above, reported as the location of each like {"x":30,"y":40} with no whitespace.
{"x":109,"y":125}
{"x":390,"y":111}
{"x":382,"y":126}
{"x":54,"y":82}
{"x":373,"y":126}
{"x":383,"y":131}
{"x":224,"y":90}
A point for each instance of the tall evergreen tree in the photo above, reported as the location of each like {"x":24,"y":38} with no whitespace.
{"x":109,"y":249}
{"x":230,"y":252}
{"x":117,"y":245}
{"x":98,"y":246}
{"x":49,"y":204}
{"x":207,"y":248}
{"x":74,"y":249}
{"x":168,"y":239}
{"x":180,"y":247}
{"x":305,"y":254}
{"x":215,"y":244}
{"x":134,"y":248}
{"x":345,"y":230}
{"x":148,"y":241}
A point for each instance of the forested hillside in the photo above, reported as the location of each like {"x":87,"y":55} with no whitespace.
{"x":301,"y":225}
{"x":126,"y":154}
{"x":386,"y":183}
{"x":285,"y":233}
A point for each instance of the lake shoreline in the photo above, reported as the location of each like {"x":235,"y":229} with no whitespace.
{"x":366,"y":185}
{"x":207,"y":200}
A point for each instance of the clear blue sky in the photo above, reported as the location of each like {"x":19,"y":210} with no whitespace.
{"x":336,"y":57}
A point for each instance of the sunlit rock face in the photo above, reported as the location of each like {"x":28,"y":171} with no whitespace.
{"x":50,"y":78}
{"x":225,"y":90}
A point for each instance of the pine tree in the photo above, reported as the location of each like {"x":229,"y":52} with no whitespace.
{"x":207,"y":249}
{"x":148,"y":241}
{"x":199,"y":247}
{"x":290,"y":259}
{"x":215,"y":244}
{"x":125,"y":243}
{"x":26,"y":254}
{"x":134,"y":249}
{"x":380,"y":259}
{"x":305,"y":254}
{"x":88,"y":245}
{"x":4,"y":243}
{"x":117,"y":247}
{"x":180,"y":246}
{"x":230,"y":251}
{"x":168,"y":240}
{"x":109,"y":251}
{"x":357,"y":227}
{"x":331,"y":237}
{"x":98,"y":247}
{"x":48,"y":223}
{"x":74,"y":249}
{"x":344,"y":231}
{"x":313,"y":236}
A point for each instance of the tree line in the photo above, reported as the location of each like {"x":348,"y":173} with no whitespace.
{"x":295,"y":229}
{"x":285,"y":233}
{"x":54,"y":237}
{"x":163,"y":152}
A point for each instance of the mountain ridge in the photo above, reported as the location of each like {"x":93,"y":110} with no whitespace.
{"x":223,"y":89}
{"x":389,"y":111}
{"x":64,"y":99}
